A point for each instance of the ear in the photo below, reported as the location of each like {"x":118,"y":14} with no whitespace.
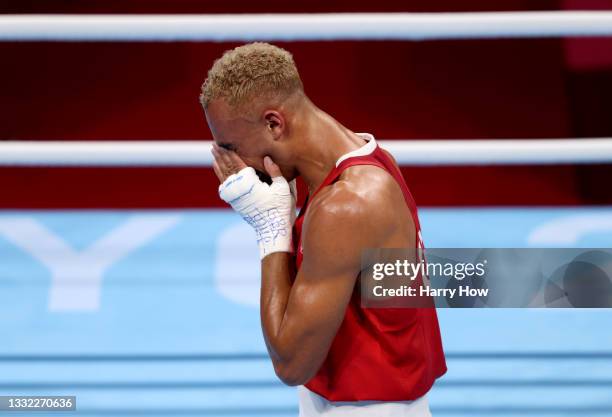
{"x":275,"y":123}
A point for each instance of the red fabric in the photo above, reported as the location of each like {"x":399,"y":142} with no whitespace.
{"x":384,"y":354}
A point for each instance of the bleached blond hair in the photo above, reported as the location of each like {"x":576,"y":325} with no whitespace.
{"x":250,"y":71}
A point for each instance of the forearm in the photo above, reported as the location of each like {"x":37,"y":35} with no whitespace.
{"x":270,"y":210}
{"x":293,"y":355}
{"x":277,"y":273}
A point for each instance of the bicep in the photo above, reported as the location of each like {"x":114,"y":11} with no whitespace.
{"x":322,"y":288}
{"x":321,"y":292}
{"x":338,"y":228}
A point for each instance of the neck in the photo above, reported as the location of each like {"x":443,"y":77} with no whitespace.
{"x":324,"y":141}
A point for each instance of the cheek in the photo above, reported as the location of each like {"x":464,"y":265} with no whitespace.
{"x":254,"y":158}
{"x":254,"y":161}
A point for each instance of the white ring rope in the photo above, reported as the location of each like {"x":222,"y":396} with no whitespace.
{"x":406,"y":152}
{"x":309,"y":27}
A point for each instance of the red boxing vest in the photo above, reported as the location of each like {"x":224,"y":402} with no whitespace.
{"x":379,"y":354}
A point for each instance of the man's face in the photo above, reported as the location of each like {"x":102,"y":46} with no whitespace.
{"x":247,"y":135}
{"x":237,"y":133}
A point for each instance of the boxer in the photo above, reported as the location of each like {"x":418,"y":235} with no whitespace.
{"x":346,"y":359}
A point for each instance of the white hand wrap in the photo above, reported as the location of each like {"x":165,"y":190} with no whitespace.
{"x":269,"y":209}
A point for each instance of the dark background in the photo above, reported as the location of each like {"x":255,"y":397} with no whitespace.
{"x":528,"y":88}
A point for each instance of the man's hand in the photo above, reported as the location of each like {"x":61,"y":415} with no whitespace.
{"x":269,"y":209}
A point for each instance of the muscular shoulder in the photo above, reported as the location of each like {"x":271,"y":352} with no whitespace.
{"x":361,"y":204}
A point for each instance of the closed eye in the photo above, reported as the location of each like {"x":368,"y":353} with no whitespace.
{"x":227,"y":146}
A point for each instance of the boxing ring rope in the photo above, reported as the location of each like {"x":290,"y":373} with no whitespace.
{"x":305,"y":27}
{"x":310,"y":27}
{"x":406,"y":152}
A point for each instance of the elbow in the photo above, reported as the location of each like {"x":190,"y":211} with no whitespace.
{"x":292,"y":375}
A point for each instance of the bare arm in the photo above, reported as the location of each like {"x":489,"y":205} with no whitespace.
{"x":301,"y":320}
{"x":301,"y":317}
